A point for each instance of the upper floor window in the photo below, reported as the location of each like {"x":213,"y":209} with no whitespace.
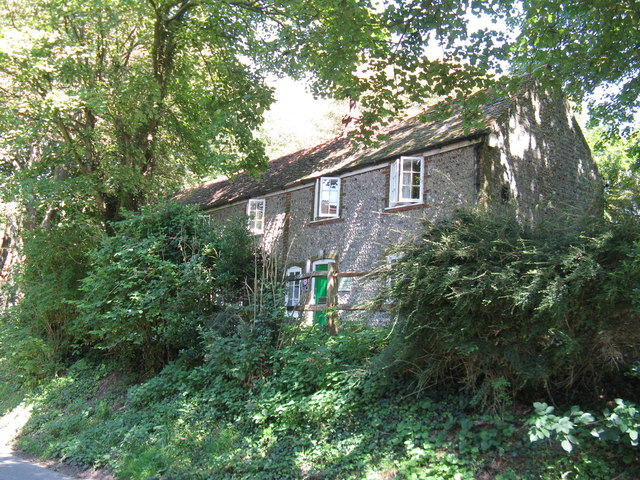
{"x":406,"y":181}
{"x":255,"y":212}
{"x":327,"y":202}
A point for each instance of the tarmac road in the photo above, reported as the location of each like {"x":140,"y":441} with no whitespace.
{"x":14,"y":468}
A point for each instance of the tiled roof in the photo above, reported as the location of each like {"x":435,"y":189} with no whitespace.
{"x":340,"y":155}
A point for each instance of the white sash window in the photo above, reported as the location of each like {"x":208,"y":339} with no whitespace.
{"x":327,"y":200}
{"x":406,"y":181}
{"x":255,"y":212}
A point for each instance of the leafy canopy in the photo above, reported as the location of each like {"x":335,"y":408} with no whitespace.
{"x":110,"y":103}
{"x":591,"y":47}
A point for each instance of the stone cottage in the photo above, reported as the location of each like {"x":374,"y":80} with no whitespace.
{"x":331,"y":211}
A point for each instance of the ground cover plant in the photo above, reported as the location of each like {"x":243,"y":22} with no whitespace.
{"x":321,"y":411}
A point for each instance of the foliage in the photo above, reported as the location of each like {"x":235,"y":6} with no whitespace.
{"x":12,"y":390}
{"x":26,"y":358}
{"x":619,"y":424}
{"x":318,"y":412}
{"x":574,"y":43}
{"x":119,"y":98}
{"x":110,"y":103}
{"x":165,"y":272}
{"x":505,"y":310}
{"x":36,"y":333}
{"x":619,"y":163}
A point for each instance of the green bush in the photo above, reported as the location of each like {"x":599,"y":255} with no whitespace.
{"x":37,"y":338}
{"x":319,"y":412}
{"x":163,"y":273}
{"x":505,"y":310}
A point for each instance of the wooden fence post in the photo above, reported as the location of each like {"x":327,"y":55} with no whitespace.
{"x":332,"y":299}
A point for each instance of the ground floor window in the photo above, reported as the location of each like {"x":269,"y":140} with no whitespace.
{"x":292,"y":295}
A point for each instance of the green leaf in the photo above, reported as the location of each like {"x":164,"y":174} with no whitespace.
{"x":567,"y":446}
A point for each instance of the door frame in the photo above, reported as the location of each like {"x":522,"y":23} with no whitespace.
{"x":314,"y":264}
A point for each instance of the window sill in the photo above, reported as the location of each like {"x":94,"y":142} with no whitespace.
{"x":404,"y":207}
{"x":325,"y":221}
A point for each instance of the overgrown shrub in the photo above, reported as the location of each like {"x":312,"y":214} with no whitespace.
{"x":163,"y":273}
{"x":36,"y":333}
{"x":312,"y":416}
{"x":507,"y":310}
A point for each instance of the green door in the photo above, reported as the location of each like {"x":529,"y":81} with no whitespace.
{"x":320,"y":293}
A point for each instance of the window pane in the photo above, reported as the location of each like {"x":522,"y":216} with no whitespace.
{"x":296,"y":292}
{"x":411,"y":165}
{"x":328,"y":197}
{"x":410,"y":179}
{"x":406,"y":179}
{"x":293,"y":294}
{"x":293,"y":287}
{"x":255,"y":211}
{"x":415,"y":183}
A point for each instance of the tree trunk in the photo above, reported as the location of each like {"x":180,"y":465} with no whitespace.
{"x":10,"y":252}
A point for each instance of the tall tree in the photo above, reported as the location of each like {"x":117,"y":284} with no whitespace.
{"x":107,"y":102}
{"x":590,"y":47}
{"x":106,"y":99}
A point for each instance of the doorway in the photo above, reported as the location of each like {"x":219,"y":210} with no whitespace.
{"x":319,"y":289}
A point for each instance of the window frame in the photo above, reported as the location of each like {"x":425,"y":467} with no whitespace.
{"x":256,"y":226}
{"x":396,"y":174}
{"x":290,"y":300}
{"x":317,"y":214}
